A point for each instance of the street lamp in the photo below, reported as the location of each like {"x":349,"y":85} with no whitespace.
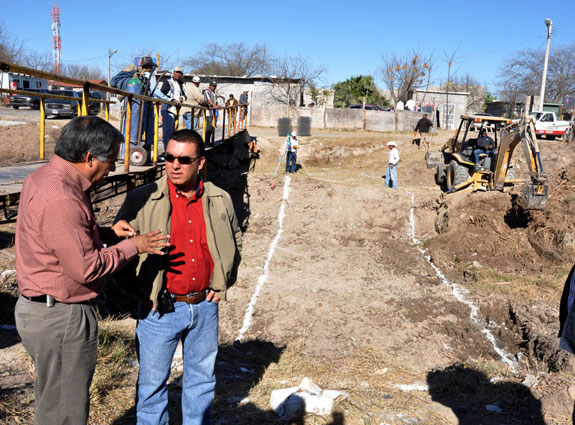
{"x":549,"y":24}
{"x":110,"y":54}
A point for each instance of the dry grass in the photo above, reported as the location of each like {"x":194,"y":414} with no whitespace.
{"x":113,"y":385}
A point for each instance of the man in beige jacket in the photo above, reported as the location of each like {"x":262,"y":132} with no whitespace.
{"x":181,"y":289}
{"x":196,"y":98}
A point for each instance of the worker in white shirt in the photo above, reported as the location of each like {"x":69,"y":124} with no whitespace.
{"x":391,"y":172}
{"x":292,"y":145}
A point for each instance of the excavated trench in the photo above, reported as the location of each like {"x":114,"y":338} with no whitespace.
{"x":481,"y":239}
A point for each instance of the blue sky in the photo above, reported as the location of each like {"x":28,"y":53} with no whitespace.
{"x":347,"y":38}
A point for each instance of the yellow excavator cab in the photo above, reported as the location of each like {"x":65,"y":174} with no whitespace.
{"x":457,"y":169}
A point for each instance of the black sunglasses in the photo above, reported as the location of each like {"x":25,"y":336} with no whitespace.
{"x":184,"y":160}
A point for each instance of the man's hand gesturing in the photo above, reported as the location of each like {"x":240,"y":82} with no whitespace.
{"x":151,"y":243}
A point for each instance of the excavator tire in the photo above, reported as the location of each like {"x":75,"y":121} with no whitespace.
{"x":455,"y":175}
{"x":440,"y":175}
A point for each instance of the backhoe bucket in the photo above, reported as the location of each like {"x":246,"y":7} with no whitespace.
{"x":534,"y":197}
{"x":433,"y":159}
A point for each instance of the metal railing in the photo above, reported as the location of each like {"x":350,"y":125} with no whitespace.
{"x":239,"y":111}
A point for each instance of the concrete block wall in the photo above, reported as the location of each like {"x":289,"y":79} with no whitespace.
{"x":336,"y":118}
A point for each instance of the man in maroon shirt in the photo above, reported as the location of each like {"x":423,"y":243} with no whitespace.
{"x":60,"y":262}
{"x":181,"y":290}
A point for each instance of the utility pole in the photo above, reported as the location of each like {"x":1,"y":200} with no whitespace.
{"x":109,"y":57}
{"x":446,"y":119}
{"x":549,"y":24}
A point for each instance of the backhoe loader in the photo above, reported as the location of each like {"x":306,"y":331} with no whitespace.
{"x":456,"y":168}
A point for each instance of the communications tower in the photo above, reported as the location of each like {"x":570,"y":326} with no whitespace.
{"x":56,"y":41}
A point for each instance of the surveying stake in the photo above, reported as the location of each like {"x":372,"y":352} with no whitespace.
{"x":279,"y":162}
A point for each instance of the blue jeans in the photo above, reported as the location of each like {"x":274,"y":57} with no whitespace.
{"x":291,"y":162}
{"x":168,"y":125}
{"x":196,"y":325}
{"x":478,"y":152}
{"x":391,"y":173}
{"x":188,"y":121}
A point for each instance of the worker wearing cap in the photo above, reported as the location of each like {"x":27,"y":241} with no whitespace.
{"x":391,"y":172}
{"x":143,"y":83}
{"x":211,"y":114}
{"x":196,"y":98}
{"x":171,"y":90}
{"x":485,"y":145}
{"x":292,"y":145}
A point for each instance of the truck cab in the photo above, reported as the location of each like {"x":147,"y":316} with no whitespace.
{"x":547,"y":124}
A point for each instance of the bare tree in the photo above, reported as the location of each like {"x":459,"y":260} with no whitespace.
{"x":521,"y":74}
{"x":38,"y":61}
{"x":83,"y":72}
{"x":402,"y":75}
{"x":291,"y":75}
{"x":167,"y":59}
{"x":235,"y":59}
{"x":11,"y":49}
{"x":470,"y":85}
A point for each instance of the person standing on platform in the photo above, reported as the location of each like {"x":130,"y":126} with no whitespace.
{"x":172,"y":90}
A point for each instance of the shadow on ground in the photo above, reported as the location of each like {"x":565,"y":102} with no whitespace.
{"x":475,"y":400}
{"x":6,"y":239}
{"x":239,"y":367}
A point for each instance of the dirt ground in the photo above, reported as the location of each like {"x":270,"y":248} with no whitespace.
{"x":424,"y":308}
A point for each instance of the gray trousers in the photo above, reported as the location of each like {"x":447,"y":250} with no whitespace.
{"x":63,"y":342}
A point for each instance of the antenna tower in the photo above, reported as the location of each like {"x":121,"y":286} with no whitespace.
{"x":56,"y":41}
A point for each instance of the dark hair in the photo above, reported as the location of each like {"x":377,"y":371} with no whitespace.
{"x":88,"y":134}
{"x":189,"y":136}
{"x":231,"y":95}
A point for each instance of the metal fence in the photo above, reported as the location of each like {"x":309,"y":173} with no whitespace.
{"x":236,"y":115}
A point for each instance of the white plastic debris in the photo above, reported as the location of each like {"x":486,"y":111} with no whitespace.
{"x":288,"y":403}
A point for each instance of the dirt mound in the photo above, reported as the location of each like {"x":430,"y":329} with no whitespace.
{"x":480,"y":229}
{"x":21,"y":143}
{"x":552,"y":232}
{"x":489,"y":229}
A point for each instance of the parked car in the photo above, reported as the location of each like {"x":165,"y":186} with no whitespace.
{"x":368,"y":107}
{"x":61,"y":107}
{"x":95,"y":107}
{"x":20,"y":100}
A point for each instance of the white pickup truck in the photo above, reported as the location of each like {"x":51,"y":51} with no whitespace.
{"x":548,"y":125}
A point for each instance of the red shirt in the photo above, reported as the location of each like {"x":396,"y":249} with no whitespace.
{"x":59,"y":251}
{"x":191,"y":264}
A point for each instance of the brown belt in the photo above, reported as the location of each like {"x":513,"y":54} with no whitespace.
{"x":196,"y":298}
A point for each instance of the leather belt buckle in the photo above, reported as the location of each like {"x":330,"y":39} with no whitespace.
{"x":196,"y":298}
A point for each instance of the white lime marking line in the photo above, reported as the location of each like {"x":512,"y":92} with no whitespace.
{"x":459,"y":293}
{"x":264,"y":276}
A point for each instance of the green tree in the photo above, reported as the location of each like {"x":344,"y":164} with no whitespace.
{"x":353,"y":90}
{"x":487,"y":98}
